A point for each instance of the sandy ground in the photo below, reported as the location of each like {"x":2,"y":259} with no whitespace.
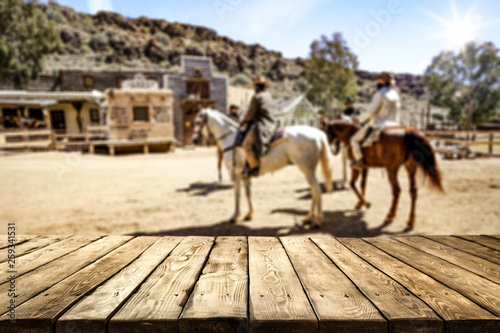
{"x":178,"y":194}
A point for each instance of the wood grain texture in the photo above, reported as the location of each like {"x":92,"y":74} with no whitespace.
{"x":469,"y":247}
{"x":470,"y":262}
{"x":92,"y":313}
{"x":335,"y":299}
{"x":44,"y":277}
{"x":483,"y":240}
{"x":4,"y":240}
{"x":277,"y":300}
{"x":156,"y":306}
{"x":404,"y":311}
{"x":220,"y":298}
{"x":460,"y":313}
{"x":38,"y":314}
{"x":478,"y":289}
{"x":33,"y":245}
{"x":45,"y":255}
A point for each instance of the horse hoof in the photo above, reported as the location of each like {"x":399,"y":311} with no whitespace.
{"x":368,"y":205}
{"x":316,"y":225}
{"x":307,"y":220}
{"x":358,"y":206}
{"x":248,"y":217}
{"x":387,"y":222}
{"x":233,"y":219}
{"x":408,"y":229}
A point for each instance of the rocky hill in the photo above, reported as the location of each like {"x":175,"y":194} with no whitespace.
{"x":109,"y":41}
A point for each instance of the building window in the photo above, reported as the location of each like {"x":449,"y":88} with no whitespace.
{"x":88,"y":81}
{"x":141,"y":113}
{"x":94,"y":116}
{"x":36,"y":113}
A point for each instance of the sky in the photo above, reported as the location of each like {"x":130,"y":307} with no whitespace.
{"x":400,"y":36}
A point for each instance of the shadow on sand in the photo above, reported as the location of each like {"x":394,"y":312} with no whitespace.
{"x":336,"y":223}
{"x":204,"y":189}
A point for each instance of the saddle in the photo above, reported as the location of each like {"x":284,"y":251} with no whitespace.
{"x":373,"y":134}
{"x":278,"y":135}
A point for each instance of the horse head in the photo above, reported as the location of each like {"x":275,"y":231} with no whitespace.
{"x":200,"y":127}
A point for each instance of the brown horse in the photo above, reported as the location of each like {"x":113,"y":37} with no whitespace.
{"x":396,"y":146}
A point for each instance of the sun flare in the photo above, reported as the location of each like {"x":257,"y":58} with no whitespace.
{"x":460,"y":28}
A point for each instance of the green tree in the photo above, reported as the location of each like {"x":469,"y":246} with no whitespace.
{"x":330,"y":71}
{"x":468,"y":83}
{"x":27,"y":36}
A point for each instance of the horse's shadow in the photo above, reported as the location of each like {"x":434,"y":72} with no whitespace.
{"x":204,"y":189}
{"x":336,"y":223}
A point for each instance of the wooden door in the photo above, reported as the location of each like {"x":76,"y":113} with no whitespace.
{"x":58,"y":121}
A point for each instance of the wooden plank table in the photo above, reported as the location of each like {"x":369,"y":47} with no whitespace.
{"x":251,"y":284}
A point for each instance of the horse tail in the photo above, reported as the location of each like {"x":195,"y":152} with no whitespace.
{"x":326,"y":163}
{"x":420,"y":152}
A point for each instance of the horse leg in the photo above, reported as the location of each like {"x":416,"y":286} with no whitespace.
{"x":396,"y":190}
{"x":412,"y":171}
{"x":314,"y":219}
{"x":364,"y":176}
{"x":237,"y":185}
{"x":354,"y":177}
{"x":219,"y":163}
{"x":248,"y":192}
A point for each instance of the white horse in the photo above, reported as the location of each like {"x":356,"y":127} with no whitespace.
{"x":303,"y":146}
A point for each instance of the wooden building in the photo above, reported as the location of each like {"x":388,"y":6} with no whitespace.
{"x":139,"y":114}
{"x":194,"y":88}
{"x":62,"y":111}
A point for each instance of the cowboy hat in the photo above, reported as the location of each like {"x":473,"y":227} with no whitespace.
{"x":259,"y":80}
{"x":387,"y":77}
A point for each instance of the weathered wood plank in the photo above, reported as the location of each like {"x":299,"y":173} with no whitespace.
{"x":33,"y":245}
{"x":460,"y":313}
{"x":474,"y":264}
{"x":493,"y":236}
{"x":92,"y":313}
{"x":156,"y":306}
{"x":42,"y":278}
{"x":42,"y":256}
{"x":220,"y":298}
{"x":38,"y":314}
{"x":277,"y":301}
{"x":483,"y":240}
{"x":469,"y":247}
{"x":339,"y":305}
{"x":482,"y":291}
{"x":405,"y":312}
{"x":4,"y":240}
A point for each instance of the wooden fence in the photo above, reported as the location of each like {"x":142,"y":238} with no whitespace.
{"x":466,"y":138}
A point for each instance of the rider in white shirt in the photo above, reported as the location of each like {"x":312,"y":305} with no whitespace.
{"x":383,"y":111}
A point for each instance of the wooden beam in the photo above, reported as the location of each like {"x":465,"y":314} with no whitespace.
{"x":337,"y":302}
{"x":93,"y":312}
{"x":39,"y":313}
{"x":478,"y":289}
{"x":220,"y":297}
{"x":156,"y":306}
{"x":404,"y":311}
{"x":461,"y":315}
{"x":42,"y":278}
{"x":277,"y":301}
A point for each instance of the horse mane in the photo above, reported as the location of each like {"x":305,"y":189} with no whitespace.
{"x":346,"y":129}
{"x":224,"y":116}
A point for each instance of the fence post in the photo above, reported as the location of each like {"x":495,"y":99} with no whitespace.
{"x":490,"y":145}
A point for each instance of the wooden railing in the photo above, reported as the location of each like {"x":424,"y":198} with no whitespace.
{"x":467,"y":138}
